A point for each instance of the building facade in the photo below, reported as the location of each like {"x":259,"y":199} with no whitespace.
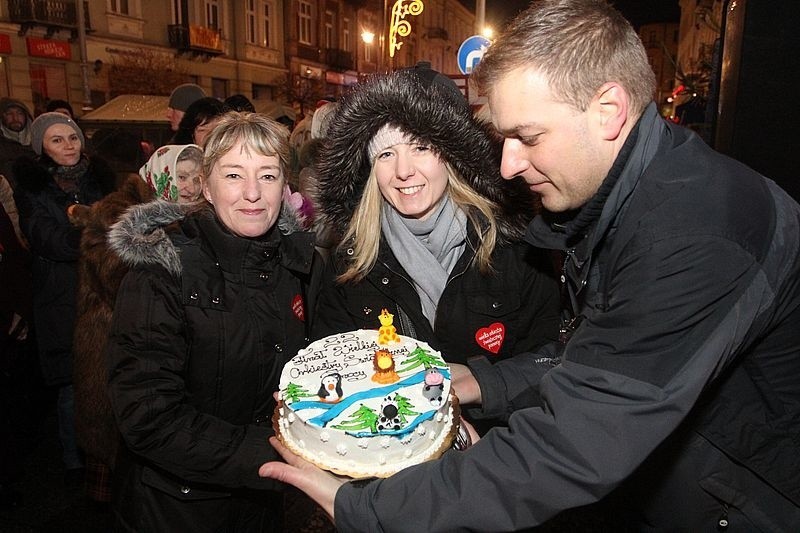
{"x":292,"y":51}
{"x":661,"y":44}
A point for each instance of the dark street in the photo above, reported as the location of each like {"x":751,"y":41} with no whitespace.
{"x":47,"y":504}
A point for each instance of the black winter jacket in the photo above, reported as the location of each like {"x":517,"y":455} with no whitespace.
{"x":680,"y":387}
{"x":203,"y":324}
{"x":55,"y":246}
{"x":513,"y":309}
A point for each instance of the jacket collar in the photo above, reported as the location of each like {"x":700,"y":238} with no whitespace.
{"x":563,"y":231}
{"x":140,"y":237}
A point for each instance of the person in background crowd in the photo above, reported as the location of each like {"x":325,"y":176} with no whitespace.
{"x":411,"y":182}
{"x":172,"y":173}
{"x":10,"y":208}
{"x":122,"y":149}
{"x":175,"y":172}
{"x":15,"y":141}
{"x":210,"y":311}
{"x":677,"y":395}
{"x":198,"y":121}
{"x":17,"y":419}
{"x":239,"y":102}
{"x":305,"y":183}
{"x":60,"y":106}
{"x":59,"y":178}
{"x":179,"y":101}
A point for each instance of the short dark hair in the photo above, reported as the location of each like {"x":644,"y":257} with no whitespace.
{"x":239,"y":102}
{"x":199,"y":112}
{"x":52,"y":105}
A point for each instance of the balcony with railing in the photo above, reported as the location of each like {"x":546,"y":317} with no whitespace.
{"x":339,"y":60}
{"x":195,"y":40}
{"x":53,"y":15}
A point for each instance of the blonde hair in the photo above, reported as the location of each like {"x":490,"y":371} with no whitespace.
{"x":256,"y":132}
{"x":361,"y":240}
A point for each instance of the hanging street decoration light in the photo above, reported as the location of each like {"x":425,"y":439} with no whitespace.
{"x":400,"y":26}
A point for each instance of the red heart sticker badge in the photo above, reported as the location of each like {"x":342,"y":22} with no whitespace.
{"x":491,"y":338}
{"x":298,"y":308}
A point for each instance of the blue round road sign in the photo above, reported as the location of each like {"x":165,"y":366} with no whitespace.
{"x":471,"y":51}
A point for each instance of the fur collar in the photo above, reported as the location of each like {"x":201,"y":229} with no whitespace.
{"x":140,"y":237}
{"x":430,"y":114}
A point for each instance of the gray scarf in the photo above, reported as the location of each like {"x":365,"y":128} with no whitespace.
{"x":427,"y":249}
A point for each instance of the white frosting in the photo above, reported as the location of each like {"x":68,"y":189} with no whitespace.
{"x":346,"y":430}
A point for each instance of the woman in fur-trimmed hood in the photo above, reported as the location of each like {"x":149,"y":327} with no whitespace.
{"x":411,"y":182}
{"x":430,"y":108}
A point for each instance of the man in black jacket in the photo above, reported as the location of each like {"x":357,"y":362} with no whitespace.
{"x":677,"y":395}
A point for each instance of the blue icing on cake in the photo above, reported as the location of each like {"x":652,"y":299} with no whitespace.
{"x":360,"y":409}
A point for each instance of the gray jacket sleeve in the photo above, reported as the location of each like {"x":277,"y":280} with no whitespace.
{"x":627,"y":379}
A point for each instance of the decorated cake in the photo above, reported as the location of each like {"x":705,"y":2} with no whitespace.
{"x":367,"y":403}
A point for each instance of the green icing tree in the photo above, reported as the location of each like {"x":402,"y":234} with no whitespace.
{"x":363,"y":418}
{"x":404,"y":407}
{"x":294,"y":392}
{"x":420,"y":357}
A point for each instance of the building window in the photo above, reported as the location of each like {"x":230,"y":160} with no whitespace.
{"x":267,"y":18}
{"x":119,"y":7}
{"x":304,"y":22}
{"x":258,"y":22}
{"x":330,"y":22}
{"x":219,"y":88}
{"x":128,"y":8}
{"x":212,"y":14}
{"x":346,"y":44}
{"x":250,"y":22}
{"x":3,"y":77}
{"x":177,"y":12}
{"x":48,"y":82}
{"x":262,"y":92}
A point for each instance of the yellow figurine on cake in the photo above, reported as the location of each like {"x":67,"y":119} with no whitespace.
{"x":383,"y":364}
{"x":387,"y":334}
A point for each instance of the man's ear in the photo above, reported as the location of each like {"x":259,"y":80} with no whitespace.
{"x":611,"y":106}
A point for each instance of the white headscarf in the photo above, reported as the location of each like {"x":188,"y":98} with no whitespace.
{"x":161,"y":173}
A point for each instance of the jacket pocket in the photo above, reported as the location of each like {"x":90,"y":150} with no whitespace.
{"x":179,"y":489}
{"x":496,"y":305}
{"x":744,"y":508}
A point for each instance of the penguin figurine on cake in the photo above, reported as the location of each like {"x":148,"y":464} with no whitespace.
{"x":330,"y":390}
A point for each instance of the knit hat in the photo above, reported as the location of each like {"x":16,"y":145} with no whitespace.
{"x":321,"y":119}
{"x":40,"y":125}
{"x":185,"y":95}
{"x":387,"y":136}
{"x":429,"y":77}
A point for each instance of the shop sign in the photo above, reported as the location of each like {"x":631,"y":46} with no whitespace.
{"x":49,"y":48}
{"x":5,"y":44}
{"x":202,"y":37}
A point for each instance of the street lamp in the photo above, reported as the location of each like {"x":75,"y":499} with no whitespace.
{"x":368,"y":37}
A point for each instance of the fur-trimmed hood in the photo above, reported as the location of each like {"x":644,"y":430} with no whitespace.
{"x":140,"y":236}
{"x":428,"y":112}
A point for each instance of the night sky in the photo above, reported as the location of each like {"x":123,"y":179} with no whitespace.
{"x":639,"y":12}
